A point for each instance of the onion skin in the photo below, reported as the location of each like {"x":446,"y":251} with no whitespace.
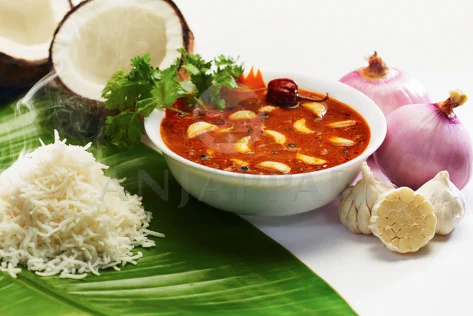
{"x":389,"y":88}
{"x":422,"y":141}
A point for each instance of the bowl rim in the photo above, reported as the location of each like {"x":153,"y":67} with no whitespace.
{"x":154,"y":134}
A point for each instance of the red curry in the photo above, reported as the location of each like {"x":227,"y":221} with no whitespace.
{"x":330,"y":138}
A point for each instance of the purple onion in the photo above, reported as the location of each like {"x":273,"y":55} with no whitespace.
{"x":389,"y":88}
{"x":424,"y":139}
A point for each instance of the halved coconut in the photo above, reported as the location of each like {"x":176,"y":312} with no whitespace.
{"x":99,"y":37}
{"x":26,"y":31}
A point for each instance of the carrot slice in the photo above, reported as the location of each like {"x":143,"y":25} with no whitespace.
{"x":252,"y":80}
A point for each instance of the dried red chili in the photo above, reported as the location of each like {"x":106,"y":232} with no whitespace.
{"x":284,"y":92}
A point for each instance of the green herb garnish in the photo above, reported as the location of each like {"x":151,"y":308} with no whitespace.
{"x":145,"y":88}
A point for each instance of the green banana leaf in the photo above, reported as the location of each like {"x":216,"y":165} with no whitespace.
{"x":209,"y":262}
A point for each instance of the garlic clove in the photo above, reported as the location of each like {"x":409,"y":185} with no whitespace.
{"x":273,"y":165}
{"x":200,"y":128}
{"x":342,"y":124}
{"x":339,"y":141}
{"x":238,"y":162}
{"x":406,"y":226}
{"x":447,"y":200}
{"x":242,"y":145}
{"x":267,"y":108}
{"x":224,"y":130}
{"x":242,"y":115}
{"x":357,"y":201}
{"x":278,"y":137}
{"x":363,"y":219}
{"x":317,"y":108}
{"x":310,"y":160}
{"x":301,"y":127}
{"x":352,"y":220}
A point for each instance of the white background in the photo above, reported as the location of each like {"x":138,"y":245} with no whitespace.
{"x":429,"y":39}
{"x":433,"y":42}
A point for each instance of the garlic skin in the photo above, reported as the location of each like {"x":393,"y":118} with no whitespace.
{"x":447,"y":200}
{"x":357,"y":201}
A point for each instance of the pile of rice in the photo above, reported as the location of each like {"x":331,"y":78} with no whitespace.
{"x":59,"y":214}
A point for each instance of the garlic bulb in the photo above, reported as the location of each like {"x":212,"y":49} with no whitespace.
{"x":447,"y":200}
{"x":357,"y":201}
{"x":403,"y":220}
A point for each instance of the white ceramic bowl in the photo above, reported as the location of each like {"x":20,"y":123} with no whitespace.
{"x":275,"y":195}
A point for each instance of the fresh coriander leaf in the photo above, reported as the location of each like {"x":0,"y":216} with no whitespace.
{"x":238,"y":70}
{"x":171,"y":71}
{"x":146,"y":106}
{"x":141,"y":69}
{"x":191,"y":69}
{"x":124,"y":95}
{"x":224,"y":61}
{"x":202,"y":82}
{"x":216,"y":99}
{"x":124,"y":129}
{"x":124,"y":90}
{"x":226,"y":79}
{"x":141,"y":60}
{"x":230,"y":65}
{"x":222,"y":71}
{"x":189,"y":87}
{"x":196,"y":60}
{"x":166,"y":92}
{"x":198,"y":69}
{"x":145,"y":88}
{"x":113,"y":93}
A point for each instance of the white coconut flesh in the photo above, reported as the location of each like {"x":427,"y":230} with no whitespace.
{"x":27,"y":26}
{"x":101,"y":36}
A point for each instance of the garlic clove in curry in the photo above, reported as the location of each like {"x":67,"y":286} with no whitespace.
{"x":310,"y":160}
{"x":242,"y":145}
{"x":200,"y":128}
{"x":357,"y":202}
{"x":267,"y":108}
{"x":242,"y":115}
{"x":274,"y":166}
{"x":301,"y":127}
{"x":342,"y":124}
{"x":343,"y":142}
{"x":447,"y":200}
{"x":278,"y":137}
{"x":317,"y":108}
{"x":403,"y":220}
